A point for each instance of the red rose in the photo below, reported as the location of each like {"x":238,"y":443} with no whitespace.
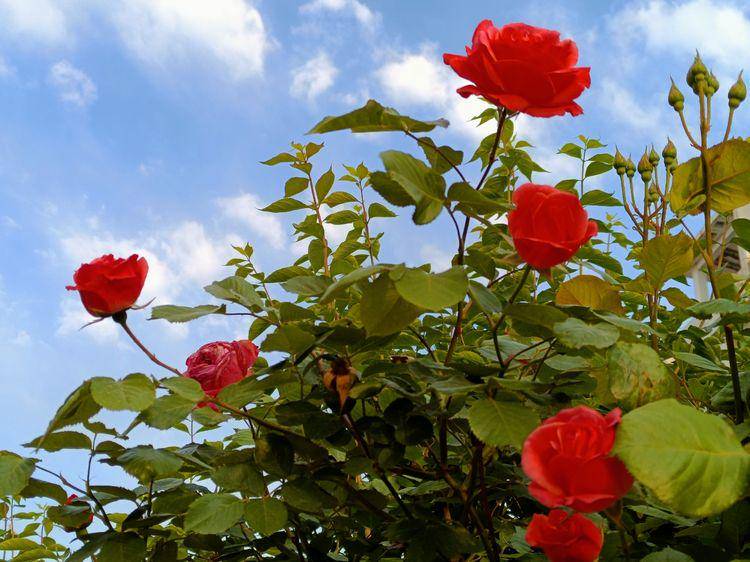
{"x":567,"y":459}
{"x":522,"y":68}
{"x":565,"y":537}
{"x":548,"y":226}
{"x":73,"y":500}
{"x":219,"y":364}
{"x":109,"y":285}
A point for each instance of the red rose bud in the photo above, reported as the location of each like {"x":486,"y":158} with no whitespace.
{"x":568,"y":461}
{"x":565,"y":537}
{"x":219,"y":364}
{"x":548,"y":226}
{"x":522,"y":68}
{"x":109,"y":285}
{"x":73,"y":500}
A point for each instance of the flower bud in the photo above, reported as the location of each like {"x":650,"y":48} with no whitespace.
{"x":653,"y":157}
{"x":645,"y":169}
{"x":697,"y":73}
{"x":620,"y":163}
{"x":669,"y":153}
{"x":653,"y":194}
{"x":675,"y":98}
{"x":630,"y":168}
{"x":737,"y":93}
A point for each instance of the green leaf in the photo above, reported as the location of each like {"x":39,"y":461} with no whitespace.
{"x":266,"y":515}
{"x":235,"y":289}
{"x":637,"y":375}
{"x":589,"y":291}
{"x":296,"y":185}
{"x":699,"y":361}
{"x":324,"y":184}
{"x":339,"y":198}
{"x":213,"y":513}
{"x":146,"y":463}
{"x":135,"y":392}
{"x":471,"y":199}
{"x":346,"y":216}
{"x":423,"y":185}
{"x":667,"y":555}
{"x":666,"y":257}
{"x":15,"y":472}
{"x":185,"y":387}
{"x":173,"y":313}
{"x":237,"y":473}
{"x":41,"y":489}
{"x":288,"y":338}
{"x":390,"y":190}
{"x":18,"y":543}
{"x":123,"y":547}
{"x":168,"y":411}
{"x":441,"y":158}
{"x":599,"y":198}
{"x":382,"y":309}
{"x":61,"y":440}
{"x":284,"y":205}
{"x":432,"y":291}
{"x":595,"y":168}
{"x":501,"y":424}
{"x":729,"y":164}
{"x":576,"y":333}
{"x":306,"y":285}
{"x":78,"y":407}
{"x":730,"y":311}
{"x":374,"y":117}
{"x":279,"y":159}
{"x":484,"y":298}
{"x":376,"y":210}
{"x":535,"y":314}
{"x":692,"y":461}
{"x":348,"y":280}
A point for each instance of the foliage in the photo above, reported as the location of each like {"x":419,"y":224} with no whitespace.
{"x":386,"y":418}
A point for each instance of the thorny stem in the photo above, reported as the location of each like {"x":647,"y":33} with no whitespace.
{"x":121,"y":319}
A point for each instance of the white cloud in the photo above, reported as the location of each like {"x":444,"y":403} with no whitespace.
{"x":42,"y":21}
{"x":73,"y":85}
{"x":5,"y":68}
{"x":313,"y":78}
{"x":165,"y":33}
{"x":361,"y":12}
{"x":245,"y":208}
{"x":718,"y":29}
{"x":626,"y":109}
{"x":73,"y":317}
{"x":439,"y":258}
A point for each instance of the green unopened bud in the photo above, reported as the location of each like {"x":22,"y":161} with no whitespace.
{"x":737,"y":93}
{"x":697,"y":73}
{"x":653,"y":157}
{"x":620,"y":163}
{"x":675,"y":98}
{"x":653,"y":194}
{"x":673,"y":166}
{"x":630,"y":168}
{"x":669,"y":153}
{"x":712,"y":85}
{"x":645,"y":169}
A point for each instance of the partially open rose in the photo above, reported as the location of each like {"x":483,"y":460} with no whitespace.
{"x":219,"y":364}
{"x":108,"y":285}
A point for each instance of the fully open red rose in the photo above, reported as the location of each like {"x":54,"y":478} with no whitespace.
{"x":219,"y":364}
{"x":109,"y":285}
{"x":548,"y":226}
{"x":565,"y":537}
{"x":568,"y":461}
{"x":522,"y":68}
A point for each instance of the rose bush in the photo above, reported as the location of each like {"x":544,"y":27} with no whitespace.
{"x":395,"y":413}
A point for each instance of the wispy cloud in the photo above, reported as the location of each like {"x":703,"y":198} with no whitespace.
{"x":313,"y":77}
{"x":73,"y":85}
{"x":361,"y":12}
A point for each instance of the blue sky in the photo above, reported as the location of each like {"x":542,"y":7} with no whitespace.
{"x":139,"y":127}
